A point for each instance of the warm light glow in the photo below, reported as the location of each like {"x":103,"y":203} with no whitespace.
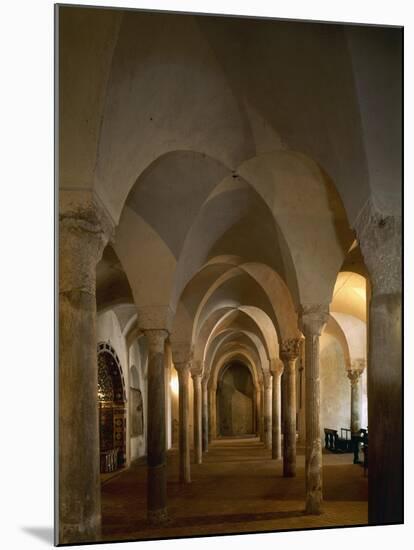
{"x":174,"y":385}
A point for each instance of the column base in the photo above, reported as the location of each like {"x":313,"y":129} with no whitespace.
{"x":313,"y":508}
{"x":76,"y":533}
{"x":158,"y":517}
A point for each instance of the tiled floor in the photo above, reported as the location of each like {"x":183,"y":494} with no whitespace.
{"x":238,"y":488}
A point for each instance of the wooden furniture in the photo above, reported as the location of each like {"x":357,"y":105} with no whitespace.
{"x":331,"y":437}
{"x":336,"y":443}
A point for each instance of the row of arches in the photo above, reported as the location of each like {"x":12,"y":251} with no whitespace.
{"x":215,"y":213}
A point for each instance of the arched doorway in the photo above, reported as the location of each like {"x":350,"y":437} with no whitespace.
{"x":235,"y":401}
{"x":112,"y":410}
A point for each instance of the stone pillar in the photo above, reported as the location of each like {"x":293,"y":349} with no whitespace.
{"x":354,"y":376}
{"x":156,"y":440}
{"x":258,"y":414}
{"x":301,"y":417}
{"x":313,"y":318}
{"x":83,"y":234}
{"x":267,"y":410}
{"x":276,"y":370}
{"x":212,"y":423}
{"x":380,"y":241}
{"x":197,"y":417}
{"x":262,"y":408}
{"x":289,"y":352}
{"x":204,"y":415}
{"x":183,"y":370}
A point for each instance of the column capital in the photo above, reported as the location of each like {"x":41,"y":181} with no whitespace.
{"x":313,"y":317}
{"x":289,"y":349}
{"x":196,"y":369}
{"x":84,"y":231}
{"x":182,"y":352}
{"x":354,"y":375}
{"x":379,"y":236}
{"x":182,"y":367}
{"x":156,"y":339}
{"x":276,"y":367}
{"x":358,"y":364}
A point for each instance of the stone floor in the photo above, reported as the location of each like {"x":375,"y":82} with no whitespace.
{"x":237,"y":489}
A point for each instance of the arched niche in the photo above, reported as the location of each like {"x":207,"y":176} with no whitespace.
{"x":112,"y":409}
{"x":235,"y":401}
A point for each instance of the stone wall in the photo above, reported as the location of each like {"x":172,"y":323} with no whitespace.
{"x":235,"y":402}
{"x":335,"y":386}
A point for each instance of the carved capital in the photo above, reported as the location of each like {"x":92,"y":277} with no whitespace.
{"x":313,"y":317}
{"x":380,"y":240}
{"x":289,"y":349}
{"x":182,"y":352}
{"x":155,"y":317}
{"x":156,"y":339}
{"x":358,"y":364}
{"x":196,"y":368}
{"x":84,"y":232}
{"x":276,"y":367}
{"x":182,"y":367}
{"x":354,"y":376}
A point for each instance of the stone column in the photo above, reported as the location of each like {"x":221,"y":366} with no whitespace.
{"x":262,"y":408}
{"x":83,"y":234}
{"x":301,"y":428}
{"x":289,"y":352}
{"x":183,"y":370}
{"x":212,"y":424}
{"x":197,"y":417}
{"x":313,"y":318}
{"x":156,"y":440}
{"x":267,"y":410}
{"x":380,"y":241}
{"x":354,"y":376}
{"x":276,"y":370}
{"x":258,"y":414}
{"x":204,"y":415}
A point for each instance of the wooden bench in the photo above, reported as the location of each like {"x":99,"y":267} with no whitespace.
{"x":336,"y":443}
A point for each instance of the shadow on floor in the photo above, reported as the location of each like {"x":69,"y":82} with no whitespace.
{"x":234,"y":518}
{"x":45,"y":534}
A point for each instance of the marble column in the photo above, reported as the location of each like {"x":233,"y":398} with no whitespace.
{"x":267,"y":379}
{"x":183,"y":370}
{"x":379,"y":236}
{"x":313,"y":319}
{"x":197,"y":417}
{"x":276,"y":371}
{"x":204,"y":415}
{"x":156,"y":435}
{"x":354,"y":376}
{"x":289,"y":351}
{"x":83,"y":234}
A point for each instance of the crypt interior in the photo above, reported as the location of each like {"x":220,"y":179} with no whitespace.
{"x":229,"y":275}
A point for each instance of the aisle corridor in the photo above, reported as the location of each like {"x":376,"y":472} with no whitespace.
{"x":238,"y":488}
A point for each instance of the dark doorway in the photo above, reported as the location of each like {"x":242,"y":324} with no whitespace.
{"x":235,"y":401}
